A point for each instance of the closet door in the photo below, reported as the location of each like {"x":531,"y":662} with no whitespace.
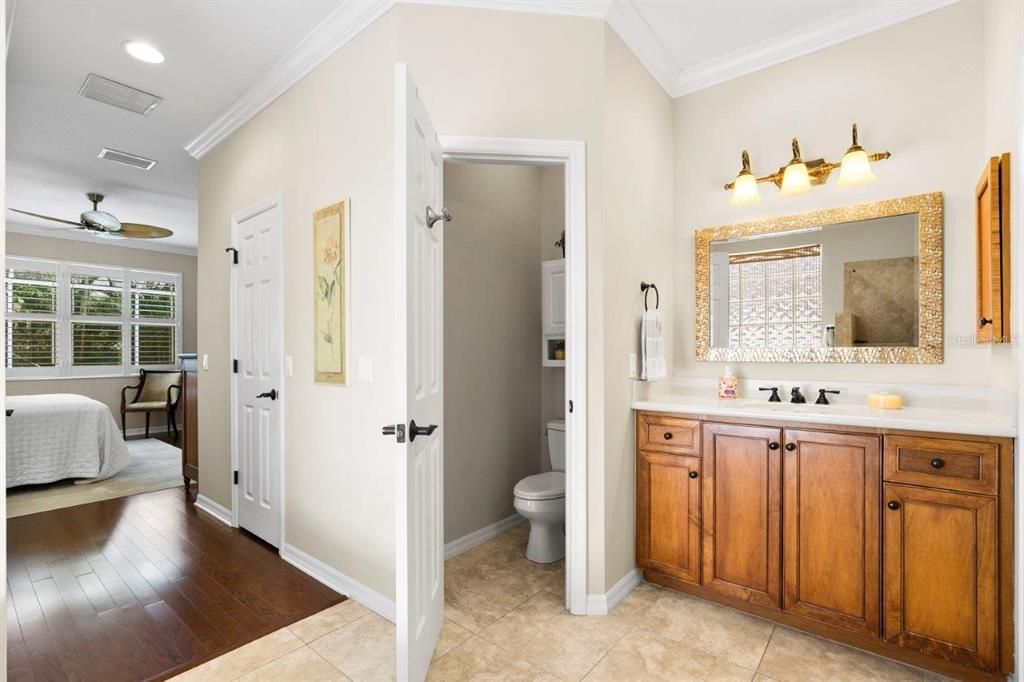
{"x":742,"y":512}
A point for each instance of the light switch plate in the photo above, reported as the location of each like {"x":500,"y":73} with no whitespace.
{"x":632,"y":365}
{"x":289,"y":366}
{"x":206,"y":362}
{"x":366,"y":369}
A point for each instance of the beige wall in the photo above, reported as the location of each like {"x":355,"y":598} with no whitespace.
{"x":328,"y":137}
{"x":552,"y":222}
{"x":492,"y":332}
{"x":108,"y":389}
{"x":638,"y":245}
{"x":482,"y":73}
{"x":914,"y":89}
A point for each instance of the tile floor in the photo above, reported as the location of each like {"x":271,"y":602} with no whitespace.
{"x":505,"y":620}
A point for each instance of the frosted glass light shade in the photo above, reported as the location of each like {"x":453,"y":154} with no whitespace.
{"x":795,"y":179}
{"x":745,"y":190}
{"x":855,"y":169}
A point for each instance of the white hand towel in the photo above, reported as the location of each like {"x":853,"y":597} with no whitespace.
{"x":652,"y":347}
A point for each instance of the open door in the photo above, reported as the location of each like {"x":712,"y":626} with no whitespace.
{"x":420,"y":514}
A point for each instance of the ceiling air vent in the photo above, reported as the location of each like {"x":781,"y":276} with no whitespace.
{"x":118,"y":95}
{"x":133,"y":160}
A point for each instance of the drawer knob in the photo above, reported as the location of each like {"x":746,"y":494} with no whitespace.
{"x":893,"y":504}
{"x":773,"y":446}
{"x":790,"y":447}
{"x":937,"y":463}
{"x":693,"y":474}
{"x":668,"y":435}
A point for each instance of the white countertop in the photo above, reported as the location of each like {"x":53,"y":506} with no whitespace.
{"x":971,"y":422}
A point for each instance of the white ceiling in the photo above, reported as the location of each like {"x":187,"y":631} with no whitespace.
{"x":214,"y":51}
{"x":227,"y":59}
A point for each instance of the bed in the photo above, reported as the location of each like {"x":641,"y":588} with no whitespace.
{"x":59,"y":436}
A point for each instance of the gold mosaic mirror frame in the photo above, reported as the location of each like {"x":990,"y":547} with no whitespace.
{"x":929,"y":350}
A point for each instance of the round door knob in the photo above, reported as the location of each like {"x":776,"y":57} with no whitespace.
{"x":693,"y":474}
{"x":937,"y":463}
{"x":893,"y":504}
{"x":773,"y":446}
{"x":668,"y":435}
{"x":790,"y":447}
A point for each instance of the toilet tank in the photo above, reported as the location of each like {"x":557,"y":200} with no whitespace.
{"x":556,"y":444}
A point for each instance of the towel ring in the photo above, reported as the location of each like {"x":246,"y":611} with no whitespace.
{"x":646,"y":288}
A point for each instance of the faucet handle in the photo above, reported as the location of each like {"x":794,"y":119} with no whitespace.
{"x":774,"y":397}
{"x":822,"y":399}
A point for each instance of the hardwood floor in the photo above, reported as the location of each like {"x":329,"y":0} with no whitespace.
{"x":141,"y":587}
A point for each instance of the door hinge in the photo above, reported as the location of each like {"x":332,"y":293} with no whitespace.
{"x":234,"y":366}
{"x":570,"y":407}
{"x":236,"y":476}
{"x":234,"y":254}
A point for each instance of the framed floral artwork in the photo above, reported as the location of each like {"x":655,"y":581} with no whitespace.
{"x":330,"y":292}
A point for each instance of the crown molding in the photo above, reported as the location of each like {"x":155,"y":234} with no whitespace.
{"x":353,"y":16}
{"x":858,"y":21}
{"x":72,"y":235}
{"x":341,"y":26}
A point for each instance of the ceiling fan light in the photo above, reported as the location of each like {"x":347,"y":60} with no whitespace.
{"x":101,"y":221}
{"x":144,"y":52}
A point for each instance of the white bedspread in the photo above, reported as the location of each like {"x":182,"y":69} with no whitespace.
{"x":59,"y":436}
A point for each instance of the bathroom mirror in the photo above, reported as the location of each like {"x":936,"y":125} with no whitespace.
{"x":855,"y":284}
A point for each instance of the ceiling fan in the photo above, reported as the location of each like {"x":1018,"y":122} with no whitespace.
{"x":103,"y":224}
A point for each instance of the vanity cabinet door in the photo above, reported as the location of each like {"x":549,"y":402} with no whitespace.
{"x":940,"y":573}
{"x":668,"y":514}
{"x":742,"y":512}
{"x":831,"y":489}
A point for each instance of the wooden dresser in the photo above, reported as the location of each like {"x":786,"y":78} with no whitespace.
{"x":190,"y":422}
{"x":897,"y":542}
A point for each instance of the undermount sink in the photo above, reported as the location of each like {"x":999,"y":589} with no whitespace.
{"x":798,"y":408}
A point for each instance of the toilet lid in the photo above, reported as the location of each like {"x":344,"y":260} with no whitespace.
{"x":541,"y":487}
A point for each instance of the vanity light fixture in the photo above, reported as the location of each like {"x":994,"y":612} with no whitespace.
{"x":798,"y":176}
{"x":746,"y":184}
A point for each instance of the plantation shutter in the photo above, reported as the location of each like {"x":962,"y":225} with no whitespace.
{"x":96,"y":306}
{"x":155,"y":319}
{"x":32,"y":345}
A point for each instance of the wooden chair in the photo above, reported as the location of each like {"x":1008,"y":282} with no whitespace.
{"x":157,"y":391}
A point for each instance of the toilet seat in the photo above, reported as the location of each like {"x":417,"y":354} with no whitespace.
{"x":547,"y":486}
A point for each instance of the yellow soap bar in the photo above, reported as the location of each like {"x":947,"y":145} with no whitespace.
{"x":885,"y":401}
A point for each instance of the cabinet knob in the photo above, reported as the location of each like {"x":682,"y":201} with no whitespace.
{"x":668,"y":435}
{"x":693,"y":474}
{"x":893,"y":504}
{"x":937,"y":463}
{"x":984,"y":321}
{"x":790,"y":447}
{"x":773,"y":446}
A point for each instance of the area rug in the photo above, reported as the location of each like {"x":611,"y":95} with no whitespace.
{"x":156,"y":465}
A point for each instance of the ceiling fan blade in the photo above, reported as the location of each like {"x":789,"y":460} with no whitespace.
{"x":46,"y":217}
{"x":139,"y":231}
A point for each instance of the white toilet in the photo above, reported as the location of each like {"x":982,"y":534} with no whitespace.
{"x":541,"y":500}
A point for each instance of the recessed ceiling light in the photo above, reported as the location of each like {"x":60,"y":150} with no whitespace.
{"x":144,"y":52}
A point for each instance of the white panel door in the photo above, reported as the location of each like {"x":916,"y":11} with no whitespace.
{"x":420,"y":540}
{"x":259,"y":310}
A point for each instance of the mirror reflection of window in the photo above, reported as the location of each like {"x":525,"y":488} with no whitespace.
{"x":775,"y":298}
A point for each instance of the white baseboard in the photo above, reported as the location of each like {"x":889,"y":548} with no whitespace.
{"x":219,"y":512}
{"x":479,"y":537}
{"x":603,"y":604}
{"x":339,"y":582}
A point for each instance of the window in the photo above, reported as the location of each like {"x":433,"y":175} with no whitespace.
{"x":76,"y":319}
{"x":775,"y":298}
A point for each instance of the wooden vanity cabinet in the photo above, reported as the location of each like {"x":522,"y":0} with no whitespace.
{"x":899,"y":543}
{"x":831,"y":534}
{"x":941,"y":574}
{"x":742,"y":520}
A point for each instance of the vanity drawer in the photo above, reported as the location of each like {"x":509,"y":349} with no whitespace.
{"x":964,"y":465}
{"x":673,"y":435}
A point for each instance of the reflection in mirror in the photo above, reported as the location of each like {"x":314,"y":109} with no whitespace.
{"x":853,"y":284}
